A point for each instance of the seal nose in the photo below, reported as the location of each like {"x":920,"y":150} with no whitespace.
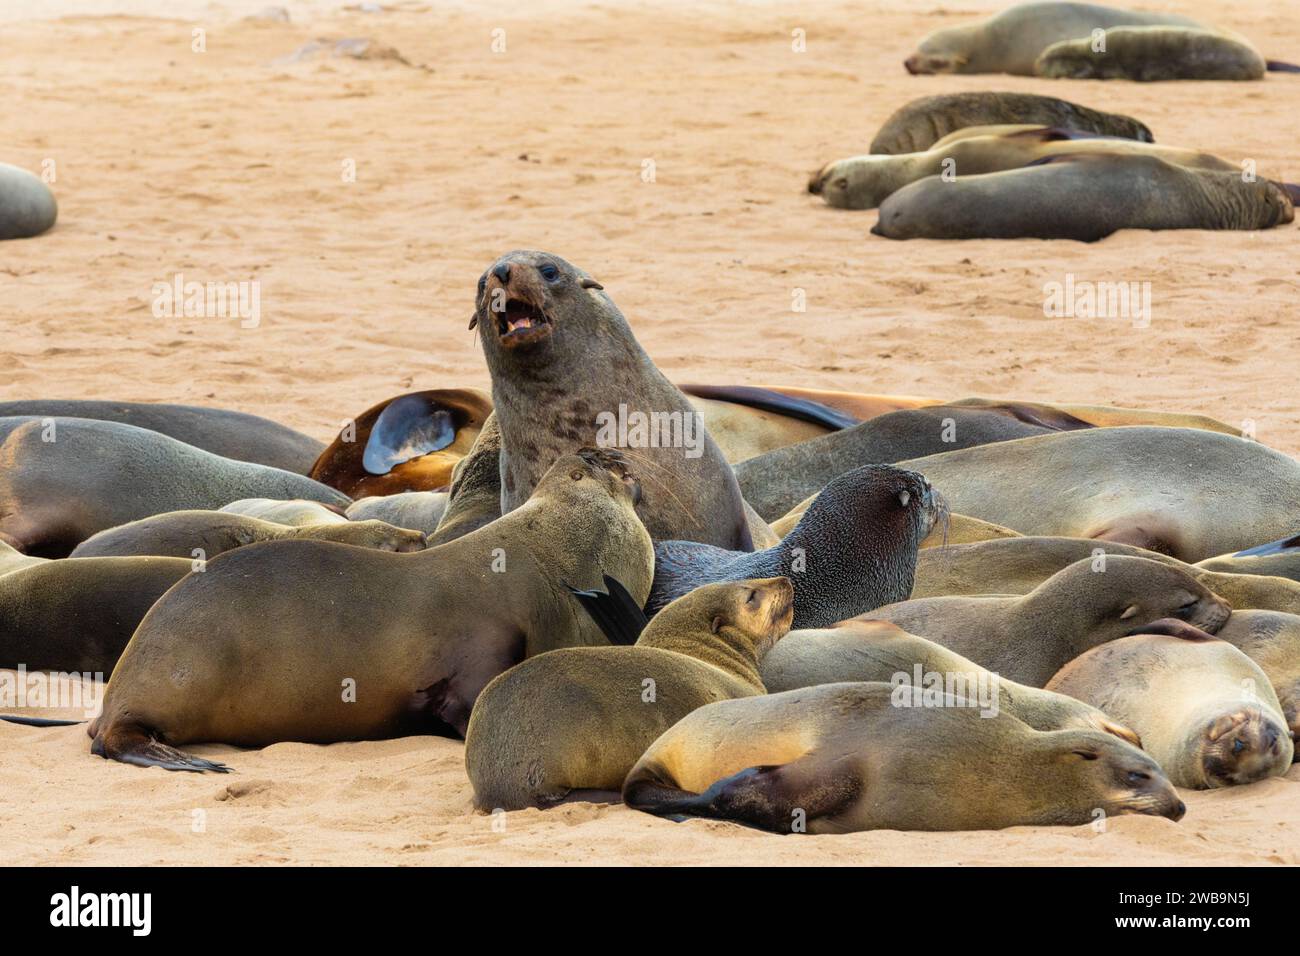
{"x":502,"y":271}
{"x":1179,"y":809}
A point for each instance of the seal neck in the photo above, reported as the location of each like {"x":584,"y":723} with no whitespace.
{"x":730,"y":649}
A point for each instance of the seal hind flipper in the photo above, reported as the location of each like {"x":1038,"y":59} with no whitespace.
{"x":615,"y":610}
{"x":39,"y":721}
{"x":1273,"y":547}
{"x":133,"y":745}
{"x":770,"y":400}
{"x":1281,"y":66}
{"x":408,"y":427}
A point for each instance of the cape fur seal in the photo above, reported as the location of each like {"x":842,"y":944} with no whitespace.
{"x":1173,"y":490}
{"x":229,"y":434}
{"x":921,"y":123}
{"x":1152,"y":53}
{"x":1028,"y":638}
{"x":1082,"y":196}
{"x":404,"y":643}
{"x":853,"y":550}
{"x":1205,"y":711}
{"x":567,"y":371}
{"x":417,"y":510}
{"x":474,"y":498}
{"x":296,"y":512}
{"x":63,"y":479}
{"x":876,"y":651}
{"x":777,"y":481}
{"x":578,"y":718}
{"x":179,"y":534}
{"x":408,"y":443}
{"x":843,"y":757}
{"x":27,"y":206}
{"x":1277,"y":558}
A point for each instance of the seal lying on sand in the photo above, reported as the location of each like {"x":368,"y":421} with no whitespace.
{"x":63,"y":479}
{"x":844,"y":757}
{"x":530,"y":738}
{"x":567,"y":372}
{"x":1186,"y":697}
{"x":27,"y":207}
{"x":1029,"y":638}
{"x":218,"y":430}
{"x":921,"y":123}
{"x":853,"y":550}
{"x":877,"y":651}
{"x":1153,"y":53}
{"x":1082,"y":196}
{"x":1186,"y":493}
{"x":179,"y":534}
{"x":317,"y":642}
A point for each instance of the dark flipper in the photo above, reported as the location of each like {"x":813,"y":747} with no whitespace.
{"x":615,"y":610}
{"x":1273,"y":547}
{"x":769,"y":400}
{"x":39,"y":721}
{"x":134,"y":746}
{"x":409,"y":427}
{"x":1279,"y":66}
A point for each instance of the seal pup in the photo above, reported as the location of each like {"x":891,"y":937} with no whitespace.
{"x":1153,"y":53}
{"x":875,"y":651}
{"x":1173,"y":490}
{"x":408,"y":443}
{"x":221,"y":431}
{"x":417,"y":510}
{"x":27,"y":206}
{"x":1028,"y":638}
{"x":577,"y":719}
{"x":1277,"y":558}
{"x":63,"y":479}
{"x":567,"y":371}
{"x":1082,"y":196}
{"x":298,"y":513}
{"x":777,"y":481}
{"x":206,"y":534}
{"x":318,"y":642}
{"x":843,"y":757}
{"x":853,"y":550}
{"x":1205,"y":711}
{"x":918,"y":125}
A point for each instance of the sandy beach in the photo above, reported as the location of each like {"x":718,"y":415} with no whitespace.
{"x":365,"y":197}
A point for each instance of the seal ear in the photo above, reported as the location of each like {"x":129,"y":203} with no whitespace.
{"x":473,"y":320}
{"x":716,"y":625}
{"x":1129,"y":612}
{"x":588,"y":282}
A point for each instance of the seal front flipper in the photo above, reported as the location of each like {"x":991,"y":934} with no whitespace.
{"x":134,"y":745}
{"x":1280,"y":66}
{"x":1273,"y":547}
{"x":615,"y":610}
{"x":39,"y":721}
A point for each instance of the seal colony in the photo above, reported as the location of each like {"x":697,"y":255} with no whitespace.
{"x":603,"y":612}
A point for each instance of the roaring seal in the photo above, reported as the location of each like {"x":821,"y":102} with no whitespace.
{"x":844,"y":757}
{"x":567,"y":371}
{"x":1205,"y":711}
{"x":1019,"y":565}
{"x":324,"y":642}
{"x":1189,"y":494}
{"x":1011,"y":41}
{"x":1153,"y":53}
{"x":63,"y":479}
{"x":79,"y":615}
{"x":418,"y":510}
{"x":918,"y":125}
{"x":180,"y":534}
{"x":1082,"y":196}
{"x":529,"y":741}
{"x":297,"y":512}
{"x":864,"y":182}
{"x":408,"y":443}
{"x":853,"y":550}
{"x":229,"y":434}
{"x":876,"y":651}
{"x":27,"y":206}
{"x":775,"y":482}
{"x":1029,"y":638}
{"x":1277,"y":558}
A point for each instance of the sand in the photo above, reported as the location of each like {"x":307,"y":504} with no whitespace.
{"x":227,"y":166}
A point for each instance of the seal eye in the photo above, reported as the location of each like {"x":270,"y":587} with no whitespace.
{"x":841,"y":183}
{"x":1136,"y":776}
{"x":576,"y":474}
{"x":549,"y":272}
{"x":752,"y":598}
{"x":904,"y":497}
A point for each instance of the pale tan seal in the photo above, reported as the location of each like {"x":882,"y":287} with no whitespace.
{"x":845,"y":757}
{"x":530,"y":738}
{"x":417,"y":510}
{"x":297,"y":512}
{"x":1205,"y":711}
{"x":1029,"y":638}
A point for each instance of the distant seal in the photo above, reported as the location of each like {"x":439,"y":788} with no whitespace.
{"x":529,"y":741}
{"x":878,"y":651}
{"x":179,"y":534}
{"x":853,"y":550}
{"x":27,"y":206}
{"x":1082,"y":196}
{"x":63,"y":479}
{"x":777,"y":481}
{"x":1186,"y":493}
{"x":79,"y":615}
{"x":567,"y":372}
{"x":296,"y":512}
{"x":1205,"y":711}
{"x":408,"y":443}
{"x":1153,"y":53}
{"x":417,"y":510}
{"x":1278,"y":558}
{"x":295,"y":624}
{"x":844,"y":757}
{"x":230,"y":434}
{"x":921,"y":123}
{"x":1029,"y":638}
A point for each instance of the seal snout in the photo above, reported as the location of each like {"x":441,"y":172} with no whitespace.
{"x":514,"y":296}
